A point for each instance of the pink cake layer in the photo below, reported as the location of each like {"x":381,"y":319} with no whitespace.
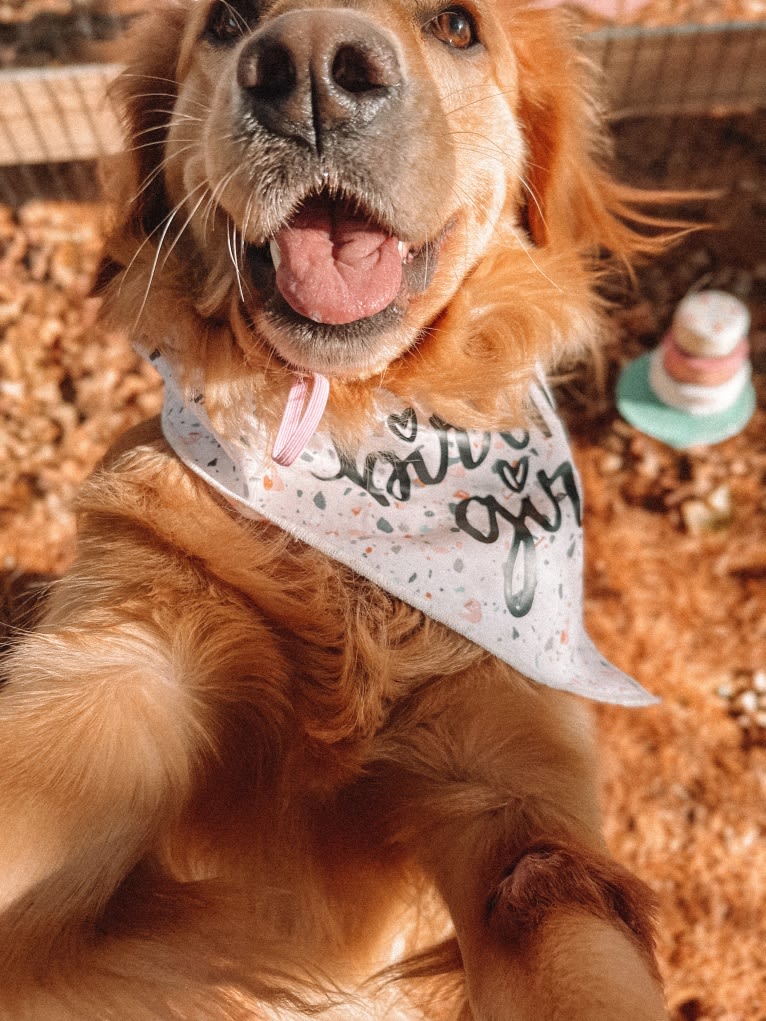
{"x":701,"y":370}
{"x":693,"y":398}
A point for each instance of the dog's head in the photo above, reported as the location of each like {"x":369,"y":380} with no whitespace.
{"x":394,"y":189}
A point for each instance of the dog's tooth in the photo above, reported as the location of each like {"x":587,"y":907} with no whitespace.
{"x":404,"y":250}
{"x":276,"y":258}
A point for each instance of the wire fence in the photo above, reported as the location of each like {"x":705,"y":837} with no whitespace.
{"x":57,"y":58}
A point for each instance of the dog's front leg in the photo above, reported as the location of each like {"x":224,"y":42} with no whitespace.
{"x":99,"y":739}
{"x":109,"y":719}
{"x":499,"y":800}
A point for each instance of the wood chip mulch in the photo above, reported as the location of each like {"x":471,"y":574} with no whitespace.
{"x":66,"y":390}
{"x":676,"y":596}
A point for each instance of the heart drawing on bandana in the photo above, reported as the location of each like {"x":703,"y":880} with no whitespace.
{"x":514,"y":475}
{"x":404,"y":424}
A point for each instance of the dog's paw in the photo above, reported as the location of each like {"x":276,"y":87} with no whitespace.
{"x":550,"y":876}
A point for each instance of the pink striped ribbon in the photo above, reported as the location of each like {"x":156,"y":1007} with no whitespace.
{"x":301,"y":417}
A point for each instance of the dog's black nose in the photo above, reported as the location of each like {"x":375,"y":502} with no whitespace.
{"x":309,"y":74}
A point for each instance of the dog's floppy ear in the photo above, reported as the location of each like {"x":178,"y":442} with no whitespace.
{"x":144,"y":94}
{"x":571,"y":199}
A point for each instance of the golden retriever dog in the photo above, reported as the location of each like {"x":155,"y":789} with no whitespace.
{"x":303,"y":730}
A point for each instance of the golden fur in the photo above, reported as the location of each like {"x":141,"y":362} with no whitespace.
{"x":237,"y":780}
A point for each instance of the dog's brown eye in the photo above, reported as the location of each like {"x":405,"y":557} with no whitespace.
{"x":225,"y":23}
{"x":455,"y":28}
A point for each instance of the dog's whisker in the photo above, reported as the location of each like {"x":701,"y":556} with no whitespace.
{"x":167,"y":222}
{"x":244,"y":226}
{"x":237,"y":15}
{"x":157,"y":172}
{"x":213,"y":198}
{"x":491,"y":94}
{"x":202,"y":186}
{"x":207,"y":214}
{"x":153,"y":269}
{"x":172,"y":105}
{"x":151,"y":78}
{"x":494,"y":149}
{"x":175,"y":117}
{"x":530,"y":191}
{"x":146,"y":241}
{"x":243,"y":231}
{"x":188,"y":144}
{"x":211,"y":207}
{"x":164,"y":226}
{"x":176,"y":121}
{"x":216,"y":193}
{"x":160,"y":142}
{"x":231,"y":231}
{"x":160,"y":168}
{"x":165,"y":95}
{"x":527,"y":252}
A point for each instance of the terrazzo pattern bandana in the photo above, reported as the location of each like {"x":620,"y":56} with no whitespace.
{"x":479,"y":530}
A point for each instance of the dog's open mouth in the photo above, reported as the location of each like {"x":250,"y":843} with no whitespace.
{"x":335,"y":263}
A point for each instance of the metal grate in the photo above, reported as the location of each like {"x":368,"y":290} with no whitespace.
{"x":56,"y":122}
{"x":55,"y":125}
{"x":686,"y":69}
{"x":56,"y":115}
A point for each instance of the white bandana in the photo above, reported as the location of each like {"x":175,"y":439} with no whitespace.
{"x":479,"y":530}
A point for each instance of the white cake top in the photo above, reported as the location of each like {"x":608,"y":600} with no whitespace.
{"x":710,"y":323}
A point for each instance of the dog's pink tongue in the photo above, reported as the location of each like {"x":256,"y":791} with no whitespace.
{"x":334,"y":267}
